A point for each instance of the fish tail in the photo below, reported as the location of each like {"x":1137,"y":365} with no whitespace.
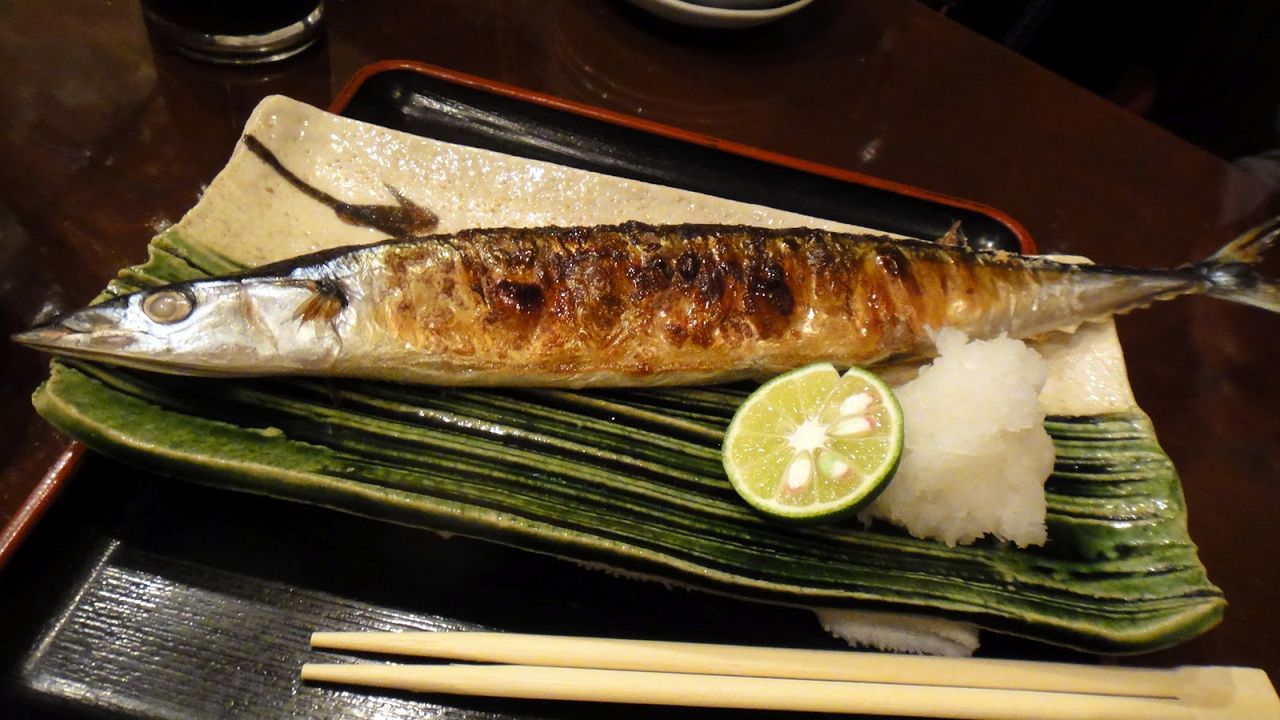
{"x":1229,"y":273}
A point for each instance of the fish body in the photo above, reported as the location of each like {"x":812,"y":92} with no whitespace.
{"x":619,"y":305}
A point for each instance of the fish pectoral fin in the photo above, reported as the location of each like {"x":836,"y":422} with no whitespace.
{"x":954,"y":237}
{"x":324,"y":303}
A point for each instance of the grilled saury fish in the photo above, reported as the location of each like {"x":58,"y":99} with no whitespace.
{"x":628,"y":304}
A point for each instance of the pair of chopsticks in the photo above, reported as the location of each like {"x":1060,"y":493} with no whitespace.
{"x":725,"y":676}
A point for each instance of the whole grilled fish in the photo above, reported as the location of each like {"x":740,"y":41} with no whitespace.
{"x":628,"y":304}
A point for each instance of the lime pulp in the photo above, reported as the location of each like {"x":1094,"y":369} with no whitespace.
{"x":814,"y":446}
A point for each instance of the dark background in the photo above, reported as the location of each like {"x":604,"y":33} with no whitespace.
{"x":1208,"y":71}
{"x":104,"y":138}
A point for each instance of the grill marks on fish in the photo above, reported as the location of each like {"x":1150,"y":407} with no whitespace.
{"x":767,"y":298}
{"x":632,"y":298}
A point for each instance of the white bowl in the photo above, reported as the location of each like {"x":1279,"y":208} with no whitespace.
{"x":687,"y":12}
{"x":741,"y":4}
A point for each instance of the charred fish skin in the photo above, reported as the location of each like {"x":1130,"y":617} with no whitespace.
{"x":633,"y":302}
{"x":636,"y":304}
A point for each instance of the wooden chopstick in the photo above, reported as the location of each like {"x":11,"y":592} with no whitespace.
{"x":649,"y":688}
{"x":709,"y":659}
{"x":654,"y":672}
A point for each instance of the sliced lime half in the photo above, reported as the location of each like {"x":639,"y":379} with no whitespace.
{"x":812,"y":445}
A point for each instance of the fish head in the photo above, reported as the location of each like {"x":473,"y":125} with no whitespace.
{"x":242,"y":326}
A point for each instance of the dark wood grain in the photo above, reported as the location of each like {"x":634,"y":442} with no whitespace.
{"x":105,"y":138}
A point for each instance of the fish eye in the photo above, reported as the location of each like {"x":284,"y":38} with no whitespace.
{"x":167,"y":306}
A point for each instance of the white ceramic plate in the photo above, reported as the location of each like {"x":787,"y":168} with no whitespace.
{"x":688,"y":13}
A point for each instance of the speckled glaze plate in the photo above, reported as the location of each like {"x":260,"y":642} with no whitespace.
{"x":174,"y":599}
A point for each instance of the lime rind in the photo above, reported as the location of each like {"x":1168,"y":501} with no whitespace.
{"x":814,"y":446}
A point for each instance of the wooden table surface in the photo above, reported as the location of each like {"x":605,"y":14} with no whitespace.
{"x":106,"y":138}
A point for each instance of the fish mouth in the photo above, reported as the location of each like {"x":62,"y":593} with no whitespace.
{"x":96,"y":328}
{"x":66,"y":337}
{"x":114,"y":348}
{"x":47,"y":337}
